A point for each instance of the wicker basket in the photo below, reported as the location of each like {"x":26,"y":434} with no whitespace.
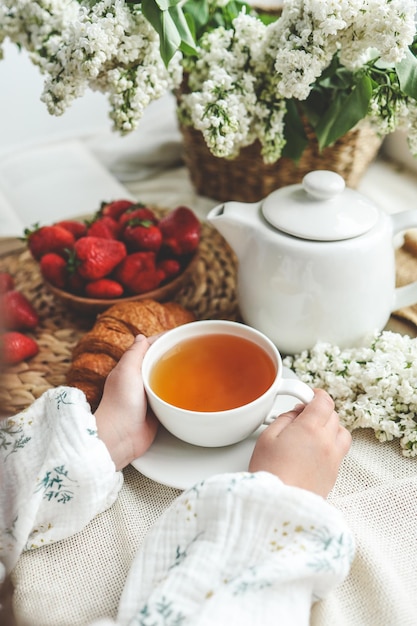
{"x":248,"y":179}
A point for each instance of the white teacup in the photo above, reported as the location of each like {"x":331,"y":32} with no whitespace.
{"x":214,"y":428}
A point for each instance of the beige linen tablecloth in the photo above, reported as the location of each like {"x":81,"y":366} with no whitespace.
{"x":81,"y":578}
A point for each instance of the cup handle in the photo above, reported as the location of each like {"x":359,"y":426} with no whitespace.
{"x":292,"y":387}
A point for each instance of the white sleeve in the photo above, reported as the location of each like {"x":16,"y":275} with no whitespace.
{"x":238,"y":549}
{"x":56,"y":473}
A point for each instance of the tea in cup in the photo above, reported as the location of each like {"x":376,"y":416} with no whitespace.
{"x":213,"y":382}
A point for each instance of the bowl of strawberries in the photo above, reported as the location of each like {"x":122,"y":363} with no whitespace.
{"x":127,"y":251}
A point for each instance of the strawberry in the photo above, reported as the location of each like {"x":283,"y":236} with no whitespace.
{"x":96,"y":257}
{"x":48,"y":239}
{"x":16,"y":312}
{"x":115,"y":209}
{"x":142,"y":235}
{"x":137,"y":212}
{"x":180,"y":231}
{"x":75,"y":283}
{"x":17,"y":347}
{"x":103,"y":288}
{"x":78,"y":229}
{"x":54,"y":269}
{"x":6,"y":282}
{"x":105,"y":227}
{"x":170,"y":267}
{"x":138,"y":272}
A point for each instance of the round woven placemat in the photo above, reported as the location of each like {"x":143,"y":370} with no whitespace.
{"x":209,"y":293}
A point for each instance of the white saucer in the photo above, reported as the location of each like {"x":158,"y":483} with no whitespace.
{"x":174,"y":463}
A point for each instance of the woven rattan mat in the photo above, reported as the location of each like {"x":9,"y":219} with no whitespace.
{"x":210,"y":293}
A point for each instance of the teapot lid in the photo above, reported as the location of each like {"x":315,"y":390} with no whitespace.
{"x":321,"y":208}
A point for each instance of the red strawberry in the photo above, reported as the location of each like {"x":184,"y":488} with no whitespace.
{"x":180,"y":231}
{"x":54,"y":269}
{"x":138,"y":273}
{"x":16,"y":312}
{"x":137,"y":212}
{"x":6,"y":282}
{"x":97,"y":257}
{"x":170,"y":267}
{"x":142,"y":235}
{"x":17,"y":347}
{"x":49,"y":239}
{"x":103,"y":288}
{"x":116,"y":208}
{"x":75,"y":283}
{"x":78,"y":229}
{"x":105,"y":227}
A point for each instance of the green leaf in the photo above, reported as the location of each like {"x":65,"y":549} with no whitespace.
{"x":168,"y":33}
{"x":267,"y":18}
{"x":296,"y":140}
{"x":187,"y":50}
{"x":316,"y":103}
{"x":170,"y":24}
{"x":181,"y":23}
{"x":407,"y":74}
{"x":164,"y":5}
{"x":207,"y":16}
{"x":197,"y":13}
{"x":344,"y":113}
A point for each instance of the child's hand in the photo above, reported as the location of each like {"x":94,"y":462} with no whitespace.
{"x":304,"y":447}
{"x":124,"y":422}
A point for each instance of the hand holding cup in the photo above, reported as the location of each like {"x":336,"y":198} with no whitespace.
{"x":247,"y":361}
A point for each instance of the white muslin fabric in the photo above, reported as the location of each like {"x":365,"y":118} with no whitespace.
{"x":56,"y":473}
{"x":238,"y":548}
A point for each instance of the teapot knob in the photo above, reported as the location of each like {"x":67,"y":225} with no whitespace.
{"x":323,"y":184}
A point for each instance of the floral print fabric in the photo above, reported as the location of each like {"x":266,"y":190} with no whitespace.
{"x":238,"y":549}
{"x":241,"y":548}
{"x":56,"y":473}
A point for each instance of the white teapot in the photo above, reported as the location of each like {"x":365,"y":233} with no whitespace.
{"x":316,"y":262}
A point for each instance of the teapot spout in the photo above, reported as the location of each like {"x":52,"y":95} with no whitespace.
{"x":235,"y":221}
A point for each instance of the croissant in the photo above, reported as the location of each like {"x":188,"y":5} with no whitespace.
{"x":114,"y":330}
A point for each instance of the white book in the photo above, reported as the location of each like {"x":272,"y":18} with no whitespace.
{"x":51,"y":182}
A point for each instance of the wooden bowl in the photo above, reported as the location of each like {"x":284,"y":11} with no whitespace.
{"x":93,"y":306}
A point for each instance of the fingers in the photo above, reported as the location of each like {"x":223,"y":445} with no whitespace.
{"x":283,"y":420}
{"x":312,"y":433}
{"x":133,"y":356}
{"x":140,"y":345}
{"x":344,"y":439}
{"x":320,"y":409}
{"x":318,"y":413}
{"x":131,"y":360}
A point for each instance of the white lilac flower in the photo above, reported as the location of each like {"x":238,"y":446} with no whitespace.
{"x":242,"y":76}
{"x":373,"y":386}
{"x":107,"y":46}
{"x":408,"y":124}
{"x":241,"y":80}
{"x":310,"y":32}
{"x":223,"y":98}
